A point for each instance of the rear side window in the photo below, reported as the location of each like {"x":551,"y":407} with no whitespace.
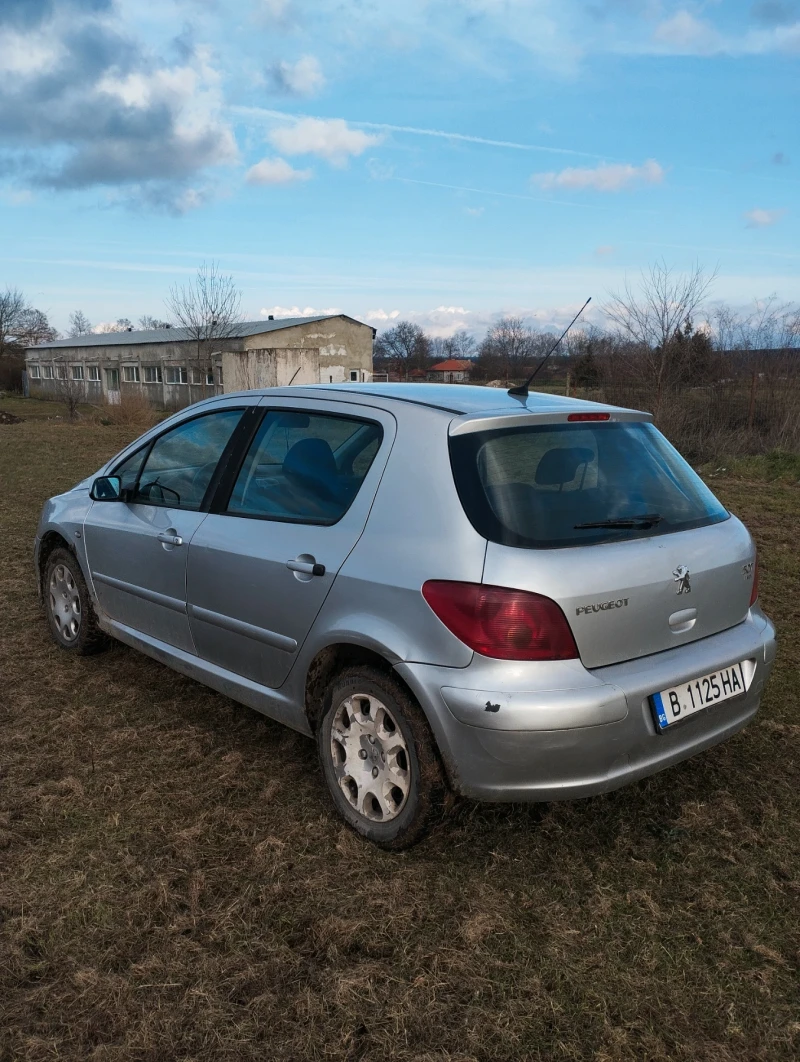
{"x":535,"y":486}
{"x":304,"y":467}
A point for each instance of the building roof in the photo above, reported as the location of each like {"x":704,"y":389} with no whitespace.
{"x":179,"y":335}
{"x":451,"y":365}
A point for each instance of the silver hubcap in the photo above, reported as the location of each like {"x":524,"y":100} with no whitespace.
{"x":65,"y":603}
{"x":370,"y":758}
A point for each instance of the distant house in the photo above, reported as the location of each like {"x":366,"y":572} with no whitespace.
{"x":450,"y":371}
{"x":164,"y":365}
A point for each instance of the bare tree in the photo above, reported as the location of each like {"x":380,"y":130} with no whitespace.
{"x":34,"y":327}
{"x":652,"y":316}
{"x":209,"y":310}
{"x":149,"y":323}
{"x":404,"y":346}
{"x":122,"y":324}
{"x":769,"y":325}
{"x":12,"y":305}
{"x":506,"y":348}
{"x":69,"y":385}
{"x":79,"y":324}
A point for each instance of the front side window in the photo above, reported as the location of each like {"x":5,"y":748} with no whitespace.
{"x":577,"y":484}
{"x":152,"y":374}
{"x":47,"y":372}
{"x":34,"y":372}
{"x":93,"y":372}
{"x":181,"y":462}
{"x":77,"y":372}
{"x":130,"y":373}
{"x":209,"y":377}
{"x":176,"y":374}
{"x":61,"y":371}
{"x":305,"y":467}
{"x":128,"y":471}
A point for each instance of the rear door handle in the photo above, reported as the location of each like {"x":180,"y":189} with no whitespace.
{"x":305,"y":567}
{"x":169,"y":539}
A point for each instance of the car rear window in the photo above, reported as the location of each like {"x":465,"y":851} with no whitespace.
{"x":533,"y":486}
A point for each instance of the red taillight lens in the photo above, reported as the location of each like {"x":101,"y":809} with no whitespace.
{"x":589,"y":416}
{"x":501,"y":623}
{"x":754,"y":591}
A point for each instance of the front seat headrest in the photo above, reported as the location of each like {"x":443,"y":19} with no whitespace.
{"x":560,"y":465}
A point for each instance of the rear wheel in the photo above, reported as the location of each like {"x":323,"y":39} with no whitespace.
{"x":70,"y":613}
{"x":379,"y":759}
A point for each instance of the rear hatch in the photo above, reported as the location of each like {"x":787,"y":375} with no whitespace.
{"x":608,"y":520}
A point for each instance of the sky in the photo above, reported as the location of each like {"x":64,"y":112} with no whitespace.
{"x":444,"y":161}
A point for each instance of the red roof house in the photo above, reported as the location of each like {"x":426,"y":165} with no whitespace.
{"x":450,"y":371}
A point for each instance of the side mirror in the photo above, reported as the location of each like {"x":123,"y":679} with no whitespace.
{"x":106,"y":488}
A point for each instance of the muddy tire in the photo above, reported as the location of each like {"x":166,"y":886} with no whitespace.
{"x":379,"y":759}
{"x":70,"y":613}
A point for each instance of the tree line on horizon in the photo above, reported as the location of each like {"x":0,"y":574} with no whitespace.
{"x":650,"y":333}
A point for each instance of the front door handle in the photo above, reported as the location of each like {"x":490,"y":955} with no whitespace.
{"x":309,"y":567}
{"x":169,"y":538}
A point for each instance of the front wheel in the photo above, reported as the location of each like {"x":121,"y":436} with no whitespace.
{"x":70,"y":613}
{"x":379,"y":759}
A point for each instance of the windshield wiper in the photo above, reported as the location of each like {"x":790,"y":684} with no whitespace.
{"x":625,"y":523}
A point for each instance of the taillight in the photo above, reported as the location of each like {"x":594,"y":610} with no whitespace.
{"x":579,"y":417}
{"x":754,"y":591}
{"x":501,"y":623}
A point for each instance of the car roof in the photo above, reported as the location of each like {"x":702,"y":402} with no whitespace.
{"x":452,"y":398}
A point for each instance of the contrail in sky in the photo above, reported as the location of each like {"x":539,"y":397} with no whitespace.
{"x":262,"y":112}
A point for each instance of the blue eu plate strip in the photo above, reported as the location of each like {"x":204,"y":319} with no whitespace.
{"x":662,"y":715}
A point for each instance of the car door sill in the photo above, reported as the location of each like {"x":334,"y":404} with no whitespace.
{"x":153,"y":596}
{"x":270,"y":702}
{"x":249,"y":630}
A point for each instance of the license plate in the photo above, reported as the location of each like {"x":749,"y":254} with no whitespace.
{"x":675,"y":704}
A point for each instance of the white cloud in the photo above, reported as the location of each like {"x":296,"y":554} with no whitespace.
{"x":685,"y":33}
{"x":474,"y":212}
{"x":381,"y":315}
{"x":762,"y":219}
{"x":303,"y":78}
{"x":331,"y":139}
{"x":275,"y":171}
{"x":606,"y":178}
{"x":295,"y":311}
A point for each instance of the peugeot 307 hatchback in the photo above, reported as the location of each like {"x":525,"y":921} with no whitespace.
{"x":452,"y":588}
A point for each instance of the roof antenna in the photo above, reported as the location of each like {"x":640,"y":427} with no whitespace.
{"x":522,"y":390}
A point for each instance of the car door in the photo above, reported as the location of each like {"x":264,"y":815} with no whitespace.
{"x":137,"y":546}
{"x":261,"y":567}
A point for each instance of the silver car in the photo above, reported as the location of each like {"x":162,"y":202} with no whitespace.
{"x":454,"y":589}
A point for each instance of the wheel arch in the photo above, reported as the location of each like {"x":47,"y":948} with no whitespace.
{"x":333,"y":658}
{"x":51,"y":540}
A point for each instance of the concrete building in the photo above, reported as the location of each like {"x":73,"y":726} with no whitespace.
{"x":165,"y":367}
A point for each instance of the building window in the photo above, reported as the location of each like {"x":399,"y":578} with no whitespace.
{"x":34,"y":372}
{"x":93,"y":372}
{"x":61,"y":371}
{"x":177,"y":374}
{"x":77,"y":372}
{"x":354,"y":375}
{"x":47,"y":372}
{"x":152,"y":374}
{"x":130,"y":373}
{"x":219,"y":377}
{"x":195,"y":376}
{"x":209,"y":377}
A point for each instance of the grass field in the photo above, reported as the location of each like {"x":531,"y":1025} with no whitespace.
{"x":175,"y":886}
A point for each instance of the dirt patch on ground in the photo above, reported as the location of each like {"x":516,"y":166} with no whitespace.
{"x":9,"y":418}
{"x":174,"y":885}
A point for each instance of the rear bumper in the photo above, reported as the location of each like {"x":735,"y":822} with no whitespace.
{"x":502,"y":742}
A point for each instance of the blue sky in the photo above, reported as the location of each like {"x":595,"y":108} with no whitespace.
{"x":444,"y":160}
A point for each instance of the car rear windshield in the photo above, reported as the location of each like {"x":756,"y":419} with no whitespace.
{"x":534,"y":486}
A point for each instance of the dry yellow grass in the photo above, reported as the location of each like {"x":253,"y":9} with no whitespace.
{"x":174,"y":885}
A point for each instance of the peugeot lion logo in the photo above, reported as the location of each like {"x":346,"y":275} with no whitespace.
{"x":681,"y":575}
